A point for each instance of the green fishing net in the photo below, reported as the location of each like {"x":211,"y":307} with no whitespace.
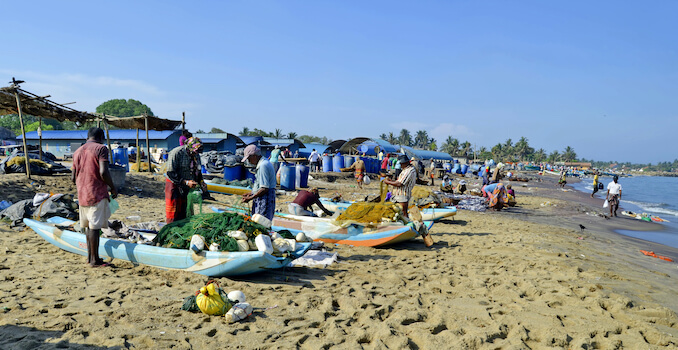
{"x":213,"y":227}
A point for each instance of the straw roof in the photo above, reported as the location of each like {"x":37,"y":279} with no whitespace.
{"x":42,"y":107}
{"x":37,"y":106}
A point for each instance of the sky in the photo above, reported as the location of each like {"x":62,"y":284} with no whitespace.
{"x":598,"y":76}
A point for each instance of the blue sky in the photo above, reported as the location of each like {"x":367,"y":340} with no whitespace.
{"x":599,"y":76}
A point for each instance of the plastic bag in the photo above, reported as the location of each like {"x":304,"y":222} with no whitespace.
{"x":238,"y":312}
{"x":210,"y":302}
{"x":113,"y":205}
{"x":197,"y":243}
{"x":606,"y":204}
{"x":366,"y":180}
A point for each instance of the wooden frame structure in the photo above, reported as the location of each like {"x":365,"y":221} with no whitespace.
{"x":13,"y":99}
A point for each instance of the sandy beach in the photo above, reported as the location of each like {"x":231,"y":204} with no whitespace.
{"x":523,"y":278}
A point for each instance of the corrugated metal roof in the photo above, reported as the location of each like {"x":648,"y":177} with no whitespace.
{"x":114,"y":134}
{"x":424,"y":154}
{"x":306,"y":151}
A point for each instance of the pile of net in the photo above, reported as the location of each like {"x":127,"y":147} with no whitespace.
{"x":371,"y":213}
{"x":214,"y":228}
{"x":425,"y":198}
{"x":240,"y":183}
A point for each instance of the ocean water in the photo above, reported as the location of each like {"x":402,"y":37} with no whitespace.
{"x":654,"y":195}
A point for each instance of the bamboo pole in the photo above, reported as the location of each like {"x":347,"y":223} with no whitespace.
{"x":23,"y":134}
{"x":108,"y":142}
{"x":148,"y":144}
{"x":40,"y":135}
{"x":138,"y":157}
{"x":183,"y":121}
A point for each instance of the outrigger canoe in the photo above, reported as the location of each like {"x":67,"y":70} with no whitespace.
{"x":216,"y":264}
{"x":323,"y":230}
{"x":427,"y":214}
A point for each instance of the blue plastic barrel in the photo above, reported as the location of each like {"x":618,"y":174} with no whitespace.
{"x":447,"y":167}
{"x":327,"y":164}
{"x":249,"y":175}
{"x":456,"y":169}
{"x":374,"y":165}
{"x":232,"y":173}
{"x":464,"y":168}
{"x":456,"y":161}
{"x":301,"y":173}
{"x":348,"y":161}
{"x":337,"y":163}
{"x":120,"y":158}
{"x":287,"y":176}
{"x":482,"y":171}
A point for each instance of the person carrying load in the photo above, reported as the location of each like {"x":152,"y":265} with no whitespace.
{"x":302,"y":204}
{"x":359,"y":171}
{"x":263,"y":190}
{"x":183,"y":174}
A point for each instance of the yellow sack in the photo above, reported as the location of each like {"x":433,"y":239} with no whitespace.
{"x":210,"y":301}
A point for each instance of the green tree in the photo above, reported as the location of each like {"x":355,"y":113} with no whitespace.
{"x":11,"y":122}
{"x":123,"y":108}
{"x":383,"y":137}
{"x":392,"y":139}
{"x":245,"y":131}
{"x":34,"y":126}
{"x":405,"y":139}
{"x":432,"y":144}
{"x":553,"y":157}
{"x":539,"y":155}
{"x":421,"y":139}
{"x":451,"y":146}
{"x":465,"y":148}
{"x":569,"y":155}
{"x":292,"y":135}
{"x":278,"y":133}
{"x":216,"y":130}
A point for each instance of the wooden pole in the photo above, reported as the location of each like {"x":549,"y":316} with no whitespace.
{"x":183,"y":121}
{"x":148,"y":144}
{"x":108,"y":142}
{"x":23,"y":134}
{"x":138,"y":159}
{"x":40,"y":135}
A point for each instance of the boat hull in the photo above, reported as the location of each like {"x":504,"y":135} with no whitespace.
{"x":216,"y":264}
{"x":227,"y":189}
{"x":427,"y":214}
{"x":323,"y":230}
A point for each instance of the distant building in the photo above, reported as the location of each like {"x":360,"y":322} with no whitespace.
{"x":58,"y":142}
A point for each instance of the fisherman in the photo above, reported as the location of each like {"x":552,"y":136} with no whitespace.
{"x":183,"y":174}
{"x":301,"y":205}
{"x":402,"y":193}
{"x":263,"y":190}
{"x":359,"y":170}
{"x":614,"y":194}
{"x":595,"y":183}
{"x":276,"y":156}
{"x":92,"y":180}
{"x":314,"y":159}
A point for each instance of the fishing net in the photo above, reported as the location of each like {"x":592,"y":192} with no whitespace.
{"x":213,"y":227}
{"x":194,"y":197}
{"x":422,"y":197}
{"x":370,"y":213}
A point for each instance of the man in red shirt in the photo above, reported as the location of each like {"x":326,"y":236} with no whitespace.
{"x":302,"y":204}
{"x":92,"y":179}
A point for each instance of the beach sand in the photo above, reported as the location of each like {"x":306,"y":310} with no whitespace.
{"x":523,"y":278}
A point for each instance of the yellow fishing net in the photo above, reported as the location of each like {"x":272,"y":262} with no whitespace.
{"x":371,"y":213}
{"x":22,"y":161}
{"x":419,"y":192}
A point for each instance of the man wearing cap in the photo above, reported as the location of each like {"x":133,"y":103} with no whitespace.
{"x":183,"y":174}
{"x":263,"y":190}
{"x":403,"y":186}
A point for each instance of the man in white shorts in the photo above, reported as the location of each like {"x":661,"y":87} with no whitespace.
{"x":92,"y":179}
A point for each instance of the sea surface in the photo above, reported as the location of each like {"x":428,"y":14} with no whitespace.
{"x":654,"y":195}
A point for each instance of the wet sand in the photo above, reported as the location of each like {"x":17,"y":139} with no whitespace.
{"x":523,"y":278}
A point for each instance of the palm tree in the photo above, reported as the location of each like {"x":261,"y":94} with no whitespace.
{"x":569,"y":155}
{"x":540,"y":155}
{"x":451,"y":146}
{"x":245,"y":131}
{"x":432,"y":144}
{"x":522,"y":148}
{"x":405,"y":139}
{"x":497,"y":152}
{"x":278,"y":133}
{"x":292,"y":135}
{"x":507,"y":150}
{"x":465,"y":148}
{"x":553,"y":157}
{"x":383,"y":137}
{"x":421,"y":140}
{"x":391,"y":138}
